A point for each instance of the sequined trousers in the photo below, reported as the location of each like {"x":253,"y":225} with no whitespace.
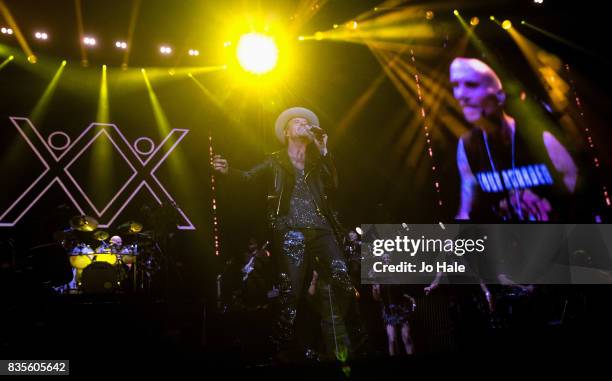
{"x":303,"y":251}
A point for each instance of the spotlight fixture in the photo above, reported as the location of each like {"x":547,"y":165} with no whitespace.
{"x":5,"y":30}
{"x":257,"y":53}
{"x":194,"y":52}
{"x":90,"y":41}
{"x":429,"y":15}
{"x":507,"y":24}
{"x":474,"y":21}
{"x":121,"y":45}
{"x":41,"y":35}
{"x":165,"y":50}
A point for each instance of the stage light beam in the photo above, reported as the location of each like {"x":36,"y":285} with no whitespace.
{"x":103,"y":113}
{"x":177,"y":162}
{"x":130,"y":36}
{"x":562,"y":40}
{"x":23,"y":43}
{"x":79,"y":20}
{"x":101,"y":176}
{"x":6,"y":61}
{"x":257,"y":53}
{"x":43,"y":103}
{"x":160,"y":116}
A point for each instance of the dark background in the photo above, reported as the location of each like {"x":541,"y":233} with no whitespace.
{"x":385,"y":175}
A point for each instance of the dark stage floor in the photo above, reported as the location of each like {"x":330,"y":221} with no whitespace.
{"x":135,"y":333}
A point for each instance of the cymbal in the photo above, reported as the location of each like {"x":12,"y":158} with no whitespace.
{"x":83,"y":223}
{"x":101,"y":235}
{"x":130,"y":227}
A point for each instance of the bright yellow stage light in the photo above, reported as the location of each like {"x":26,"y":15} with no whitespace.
{"x":474,"y":21}
{"x":507,"y":24}
{"x":257,"y":53}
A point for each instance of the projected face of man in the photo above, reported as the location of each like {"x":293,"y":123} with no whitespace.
{"x":477,"y":89}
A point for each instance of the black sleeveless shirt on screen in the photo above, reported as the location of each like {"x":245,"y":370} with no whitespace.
{"x":532,"y":169}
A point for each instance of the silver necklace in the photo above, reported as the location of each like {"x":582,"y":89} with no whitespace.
{"x":486,"y":141}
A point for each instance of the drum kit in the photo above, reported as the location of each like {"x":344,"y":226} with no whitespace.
{"x":103,"y":263}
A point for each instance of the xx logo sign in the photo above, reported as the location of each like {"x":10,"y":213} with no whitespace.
{"x":58,"y":159}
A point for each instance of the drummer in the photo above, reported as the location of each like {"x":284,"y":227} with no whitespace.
{"x":114,"y":245}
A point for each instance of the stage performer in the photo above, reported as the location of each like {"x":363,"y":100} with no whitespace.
{"x":301,"y":178}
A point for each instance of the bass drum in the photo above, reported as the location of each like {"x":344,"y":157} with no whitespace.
{"x":100,"y":278}
{"x":128,"y":254}
{"x":80,"y":256}
{"x":109,"y":258}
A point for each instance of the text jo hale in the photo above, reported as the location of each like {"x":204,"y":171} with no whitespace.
{"x":424,"y":267}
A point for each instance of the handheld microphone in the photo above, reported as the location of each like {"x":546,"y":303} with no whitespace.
{"x":317,"y":131}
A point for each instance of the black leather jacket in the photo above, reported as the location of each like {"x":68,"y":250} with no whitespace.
{"x":319,"y":173}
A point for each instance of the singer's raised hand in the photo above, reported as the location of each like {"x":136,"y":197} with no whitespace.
{"x":220,"y":164}
{"x":319,"y":137}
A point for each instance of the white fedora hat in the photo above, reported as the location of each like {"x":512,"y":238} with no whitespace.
{"x":290,"y":113}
